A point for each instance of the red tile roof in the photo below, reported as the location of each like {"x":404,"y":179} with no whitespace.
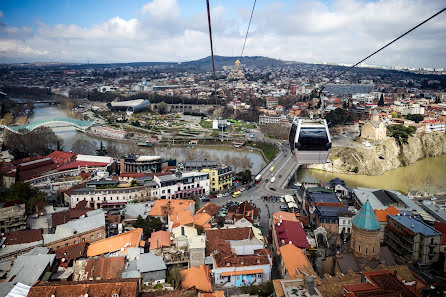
{"x":105,"y":268}
{"x":198,"y":278}
{"x":72,"y":252}
{"x":116,"y":243}
{"x":60,"y":157}
{"x":96,"y":288}
{"x":76,"y":164}
{"x":289,"y":231}
{"x":385,"y":279}
{"x":159,"y":239}
{"x":59,"y":218}
{"x":23,"y":236}
{"x":217,"y":239}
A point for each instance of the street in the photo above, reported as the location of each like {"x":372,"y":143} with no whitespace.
{"x":284,"y":166}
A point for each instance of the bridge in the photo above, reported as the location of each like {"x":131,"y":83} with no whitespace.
{"x":49,"y":102}
{"x":62,"y":122}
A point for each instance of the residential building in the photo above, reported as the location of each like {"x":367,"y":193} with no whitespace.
{"x":413,"y":239}
{"x":265,"y":119}
{"x":20,"y":242}
{"x":220,"y":178}
{"x":197,"y":250}
{"x":106,"y":194}
{"x":87,"y":229}
{"x":165,"y":208}
{"x":28,"y":269}
{"x":182,"y":184}
{"x":149,"y":266}
{"x":117,"y":245}
{"x":12,"y":217}
{"x":243,"y":215}
{"x":432,"y":126}
{"x":160,"y":239}
{"x":103,"y":268}
{"x":193,"y":165}
{"x":197,"y":278}
{"x":204,"y":216}
{"x":381,"y":215}
{"x":288,"y":232}
{"x":294,"y":262}
{"x":271,"y":102}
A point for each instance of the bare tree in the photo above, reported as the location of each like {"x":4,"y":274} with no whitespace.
{"x":84,"y":146}
{"x":245,"y":163}
{"x":113,"y":150}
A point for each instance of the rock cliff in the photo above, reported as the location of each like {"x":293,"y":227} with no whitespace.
{"x":385,"y":156}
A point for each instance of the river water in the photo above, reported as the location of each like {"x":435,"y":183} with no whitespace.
{"x":425,"y":175}
{"x":70,"y":135}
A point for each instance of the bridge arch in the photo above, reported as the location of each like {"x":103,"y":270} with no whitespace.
{"x":78,"y":124}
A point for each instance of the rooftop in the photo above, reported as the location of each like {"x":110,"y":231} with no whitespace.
{"x":293,"y":258}
{"x":381,"y":214}
{"x":115,"y":243}
{"x":198,"y":278}
{"x":159,"y":239}
{"x":415,"y":225}
{"x":291,"y":232}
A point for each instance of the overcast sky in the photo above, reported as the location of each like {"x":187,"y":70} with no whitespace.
{"x":339,"y":31}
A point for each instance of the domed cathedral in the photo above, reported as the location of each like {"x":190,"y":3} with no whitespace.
{"x":365,"y":241}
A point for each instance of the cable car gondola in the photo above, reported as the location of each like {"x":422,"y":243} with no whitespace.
{"x":310,"y":141}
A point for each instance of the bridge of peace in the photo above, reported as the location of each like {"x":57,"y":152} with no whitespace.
{"x":53,"y":122}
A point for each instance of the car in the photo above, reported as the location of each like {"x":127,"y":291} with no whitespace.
{"x":272,"y":188}
{"x":283,"y":208}
{"x":219,"y":195}
{"x":206,"y":200}
{"x":280,"y":175}
{"x":213,"y":196}
{"x":243,"y":189}
{"x":281,"y":199}
{"x":225,"y":194}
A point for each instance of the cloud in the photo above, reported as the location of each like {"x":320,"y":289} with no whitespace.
{"x":309,"y":31}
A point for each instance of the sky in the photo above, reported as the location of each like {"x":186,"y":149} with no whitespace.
{"x":313,"y":31}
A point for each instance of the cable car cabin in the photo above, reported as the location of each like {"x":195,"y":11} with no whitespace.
{"x":310,"y":141}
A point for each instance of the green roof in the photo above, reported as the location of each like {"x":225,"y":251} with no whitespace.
{"x":366,"y":218}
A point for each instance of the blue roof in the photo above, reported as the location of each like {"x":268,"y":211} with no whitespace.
{"x":366,"y":218}
{"x":415,"y":225}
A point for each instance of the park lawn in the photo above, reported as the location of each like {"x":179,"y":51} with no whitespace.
{"x":269,"y":150}
{"x":206,"y":124}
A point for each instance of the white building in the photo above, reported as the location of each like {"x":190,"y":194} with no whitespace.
{"x":434,"y":126}
{"x":345,"y":224}
{"x":108,"y":132}
{"x":265,"y":119}
{"x":182,"y":184}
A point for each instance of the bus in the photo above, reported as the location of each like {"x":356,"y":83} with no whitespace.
{"x":257,"y":179}
{"x":271,"y":169}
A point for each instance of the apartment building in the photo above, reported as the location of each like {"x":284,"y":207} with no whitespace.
{"x":220,"y":178}
{"x":413,"y":239}
{"x":182,"y":184}
{"x":12,"y":218}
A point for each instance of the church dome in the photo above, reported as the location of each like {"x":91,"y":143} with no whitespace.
{"x":366,"y":218}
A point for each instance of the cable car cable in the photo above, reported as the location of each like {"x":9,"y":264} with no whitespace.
{"x":212,"y":47}
{"x":377,"y":51}
{"x":247,"y":30}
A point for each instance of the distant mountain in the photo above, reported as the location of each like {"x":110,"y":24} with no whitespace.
{"x":205,"y":64}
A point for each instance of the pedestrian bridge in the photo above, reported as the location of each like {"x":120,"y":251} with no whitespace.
{"x":58,"y":122}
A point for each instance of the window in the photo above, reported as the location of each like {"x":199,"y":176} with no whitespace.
{"x":75,"y":241}
{"x":259,"y":275}
{"x":66,"y":244}
{"x":57,"y":247}
{"x":83,"y":239}
{"x":366,"y":251}
{"x":115,"y":295}
{"x":99,"y":235}
{"x":91,"y":236}
{"x":359,"y":247}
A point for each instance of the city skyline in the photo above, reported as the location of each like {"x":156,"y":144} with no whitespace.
{"x":340,"y":32}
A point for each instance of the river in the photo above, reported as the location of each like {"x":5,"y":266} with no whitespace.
{"x":70,"y":135}
{"x":425,"y":175}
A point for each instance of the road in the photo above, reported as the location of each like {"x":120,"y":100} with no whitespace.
{"x":284,"y":165}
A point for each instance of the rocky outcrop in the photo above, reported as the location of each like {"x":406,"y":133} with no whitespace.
{"x":385,"y":156}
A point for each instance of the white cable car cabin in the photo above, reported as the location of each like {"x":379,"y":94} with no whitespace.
{"x":310,"y":141}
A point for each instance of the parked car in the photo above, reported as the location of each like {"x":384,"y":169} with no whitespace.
{"x":280,"y":175}
{"x":213,"y":196}
{"x":272,"y":188}
{"x":225,"y":194}
{"x":205,"y":200}
{"x":219,"y":195}
{"x":283,"y":208}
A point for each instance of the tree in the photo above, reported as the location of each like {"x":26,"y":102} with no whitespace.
{"x":394,"y":114}
{"x":175,"y":276}
{"x":244,"y":176}
{"x":381,"y":100}
{"x":113,"y":150}
{"x":24,"y":193}
{"x":415,"y":117}
{"x":102,"y":151}
{"x":149,"y":225}
{"x":40,"y":141}
{"x":401,"y":133}
{"x":162,"y":107}
{"x":340,"y":116}
{"x":83,"y":146}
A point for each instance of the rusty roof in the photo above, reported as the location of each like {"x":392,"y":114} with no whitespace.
{"x":23,"y":236}
{"x":210,"y":208}
{"x":104,"y":268}
{"x":97,"y":288}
